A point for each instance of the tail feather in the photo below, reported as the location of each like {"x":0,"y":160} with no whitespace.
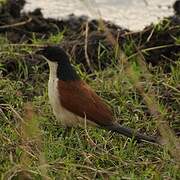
{"x":115,"y":127}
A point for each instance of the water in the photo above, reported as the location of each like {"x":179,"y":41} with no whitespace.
{"x":132,"y":14}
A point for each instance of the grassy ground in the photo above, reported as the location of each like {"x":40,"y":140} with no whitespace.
{"x":34,"y":145}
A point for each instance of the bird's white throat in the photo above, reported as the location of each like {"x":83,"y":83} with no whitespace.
{"x":53,"y":70}
{"x":52,"y":86}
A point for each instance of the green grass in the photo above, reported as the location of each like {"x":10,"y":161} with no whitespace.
{"x":34,"y":144}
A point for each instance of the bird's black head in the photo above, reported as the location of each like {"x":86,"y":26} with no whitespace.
{"x":55,"y":54}
{"x":176,"y":7}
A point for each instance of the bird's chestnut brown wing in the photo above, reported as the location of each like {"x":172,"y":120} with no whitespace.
{"x":79,"y":98}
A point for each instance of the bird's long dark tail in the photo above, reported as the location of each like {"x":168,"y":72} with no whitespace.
{"x":115,"y":127}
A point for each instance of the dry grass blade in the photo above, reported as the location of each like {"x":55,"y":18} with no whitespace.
{"x":16,"y":24}
{"x":32,"y":132}
{"x":86,"y":48}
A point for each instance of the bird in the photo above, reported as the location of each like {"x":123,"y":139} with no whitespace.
{"x":75,"y":103}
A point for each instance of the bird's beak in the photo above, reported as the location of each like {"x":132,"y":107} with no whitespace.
{"x":40,"y":53}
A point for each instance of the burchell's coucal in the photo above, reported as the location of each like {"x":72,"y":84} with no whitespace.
{"x":73,"y":101}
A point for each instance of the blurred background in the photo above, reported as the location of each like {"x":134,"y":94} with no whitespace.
{"x":131,"y":14}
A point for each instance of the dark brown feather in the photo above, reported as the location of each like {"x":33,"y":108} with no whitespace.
{"x":77,"y":97}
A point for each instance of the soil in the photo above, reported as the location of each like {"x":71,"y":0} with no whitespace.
{"x":22,"y":27}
